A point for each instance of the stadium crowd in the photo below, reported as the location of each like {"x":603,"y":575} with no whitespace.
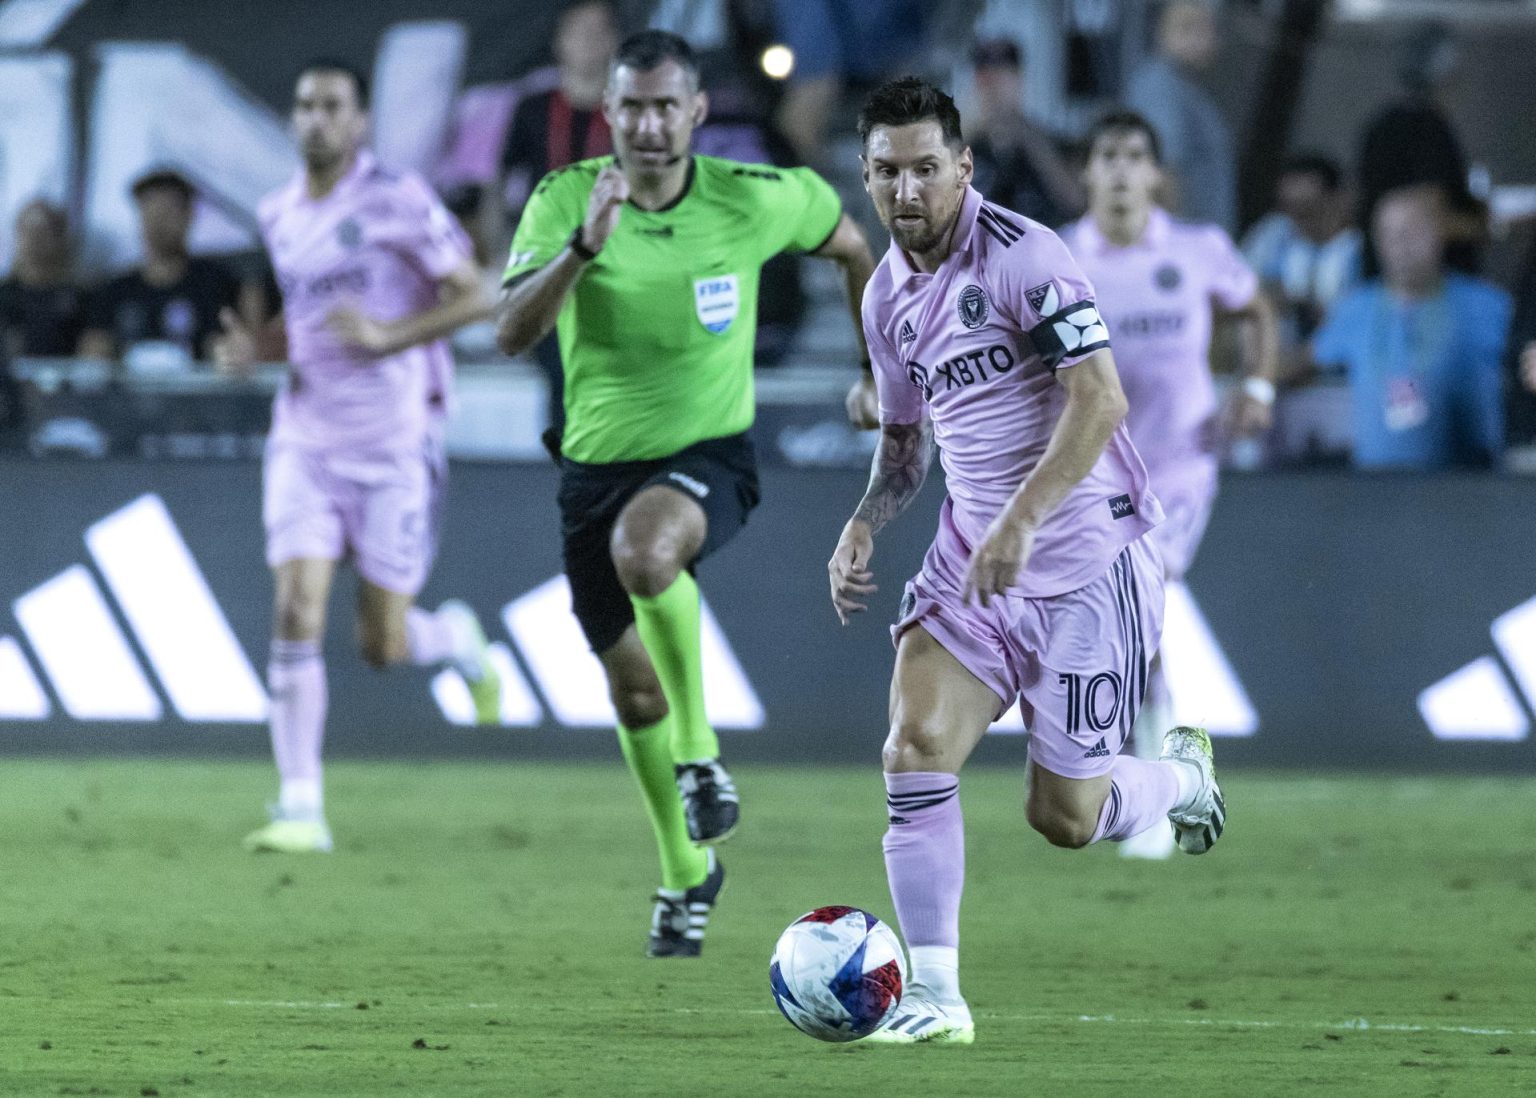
{"x":1389,"y":276}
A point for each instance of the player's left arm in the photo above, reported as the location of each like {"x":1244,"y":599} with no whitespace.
{"x":435,"y":244}
{"x":849,"y":249}
{"x":1095,"y":406}
{"x":1258,"y":350}
{"x":461,"y":300}
{"x":1238,"y":300}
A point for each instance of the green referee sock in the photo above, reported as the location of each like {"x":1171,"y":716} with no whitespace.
{"x":669,"y":627}
{"x":649,"y":754}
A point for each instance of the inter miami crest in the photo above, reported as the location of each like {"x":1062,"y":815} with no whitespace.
{"x":973,"y":306}
{"x":1168,"y":277}
{"x":1043,"y":299}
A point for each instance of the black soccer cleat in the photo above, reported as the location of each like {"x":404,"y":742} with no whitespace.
{"x":710,"y":803}
{"x":678,"y":920}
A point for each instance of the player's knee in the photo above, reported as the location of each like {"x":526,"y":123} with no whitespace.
{"x":298,"y":619}
{"x":645,"y":568}
{"x":914,"y":743}
{"x":639,"y":706}
{"x":1062,"y":828}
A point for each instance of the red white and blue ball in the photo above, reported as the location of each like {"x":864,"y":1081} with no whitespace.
{"x":837,"y":973}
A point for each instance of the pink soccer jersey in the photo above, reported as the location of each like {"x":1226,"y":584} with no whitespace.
{"x":1156,"y":297}
{"x":975,"y":346}
{"x":379,"y":242}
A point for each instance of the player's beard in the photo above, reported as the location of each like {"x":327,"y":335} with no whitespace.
{"x":923,"y":237}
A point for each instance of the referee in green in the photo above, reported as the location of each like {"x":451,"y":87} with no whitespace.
{"x":647,"y":263}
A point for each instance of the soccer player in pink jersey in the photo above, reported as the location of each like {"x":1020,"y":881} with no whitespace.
{"x":374,"y":274}
{"x":1162,"y":284}
{"x":1041,"y":585}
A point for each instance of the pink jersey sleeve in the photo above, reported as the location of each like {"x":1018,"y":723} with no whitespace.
{"x":900,"y":400}
{"x":1233,"y":283}
{"x":426,"y":233}
{"x":1044,"y":292}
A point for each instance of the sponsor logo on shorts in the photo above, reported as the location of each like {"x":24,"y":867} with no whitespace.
{"x":697,"y":487}
{"x":1098,"y":751}
{"x":908,"y":604}
{"x":1122,"y":507}
{"x":973,"y":306}
{"x":907,"y":334}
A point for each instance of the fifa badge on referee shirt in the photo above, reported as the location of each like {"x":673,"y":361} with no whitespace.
{"x":716,"y":301}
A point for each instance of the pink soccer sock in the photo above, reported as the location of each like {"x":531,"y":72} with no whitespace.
{"x":1141,"y":792}
{"x":296,"y":678}
{"x":925,"y":856}
{"x":428,"y":637}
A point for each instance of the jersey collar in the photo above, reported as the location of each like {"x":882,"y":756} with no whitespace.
{"x":362,"y":164}
{"x":1159,"y":224}
{"x":688,"y":185}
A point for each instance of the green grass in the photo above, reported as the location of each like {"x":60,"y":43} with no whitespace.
{"x":479,"y":932}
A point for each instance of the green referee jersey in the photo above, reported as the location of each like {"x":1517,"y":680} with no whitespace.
{"x":657,"y":334}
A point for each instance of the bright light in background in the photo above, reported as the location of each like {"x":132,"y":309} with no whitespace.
{"x":778,"y":61}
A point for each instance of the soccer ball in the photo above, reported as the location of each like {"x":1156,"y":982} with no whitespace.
{"x":836,"y":973}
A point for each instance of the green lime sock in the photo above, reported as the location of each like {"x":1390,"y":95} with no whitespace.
{"x":649,"y":754}
{"x":669,"y":627}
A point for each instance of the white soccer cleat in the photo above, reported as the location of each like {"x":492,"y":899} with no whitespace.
{"x":1154,"y":844}
{"x":924,"y":1021}
{"x":290,"y":835}
{"x":1200,"y":823}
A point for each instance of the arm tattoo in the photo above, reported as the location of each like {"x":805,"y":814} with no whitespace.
{"x":901,"y":465}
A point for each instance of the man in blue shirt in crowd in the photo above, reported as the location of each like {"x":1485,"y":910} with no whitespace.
{"x":1421,"y":346}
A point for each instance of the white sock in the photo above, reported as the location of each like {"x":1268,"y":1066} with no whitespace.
{"x":936,"y":969}
{"x":1189,"y":784}
{"x":301,"y":799}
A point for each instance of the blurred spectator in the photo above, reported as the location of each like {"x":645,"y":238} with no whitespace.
{"x":1522,"y":353}
{"x":835,"y":43}
{"x":1423,"y":347}
{"x":1307,"y":251}
{"x":164,"y":313}
{"x":1412,"y":141}
{"x":553,"y":128}
{"x":1195,"y":137}
{"x":1017,"y":163}
{"x":40,"y":304}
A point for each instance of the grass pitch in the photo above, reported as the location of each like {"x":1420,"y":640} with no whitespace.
{"x":479,"y":932}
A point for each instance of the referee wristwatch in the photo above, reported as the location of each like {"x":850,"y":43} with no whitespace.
{"x":583,"y":253}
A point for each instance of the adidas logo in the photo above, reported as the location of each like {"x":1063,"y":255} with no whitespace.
{"x":1098,"y":751}
{"x":141,"y":612}
{"x":162,"y":600}
{"x":1480,"y":700}
{"x":907,"y":334}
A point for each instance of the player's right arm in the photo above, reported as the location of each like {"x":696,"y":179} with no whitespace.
{"x":241,"y":344}
{"x":531,"y":299}
{"x":899,"y":469}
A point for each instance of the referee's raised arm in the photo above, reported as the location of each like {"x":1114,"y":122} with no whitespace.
{"x":531,"y":302}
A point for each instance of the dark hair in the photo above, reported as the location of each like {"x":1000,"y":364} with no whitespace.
{"x":906,"y":101}
{"x":1324,"y":168}
{"x":1120,"y":122}
{"x":649,"y":48}
{"x":164,"y":179}
{"x":336,"y":65}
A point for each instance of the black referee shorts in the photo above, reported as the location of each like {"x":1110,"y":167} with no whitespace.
{"x":719,"y":474}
